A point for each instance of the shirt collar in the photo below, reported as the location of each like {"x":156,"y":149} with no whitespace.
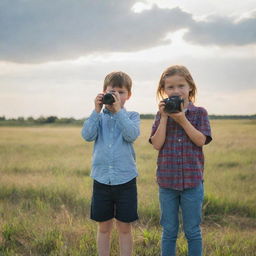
{"x":106,"y":111}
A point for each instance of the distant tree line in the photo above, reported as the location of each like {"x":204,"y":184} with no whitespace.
{"x":151,"y":116}
{"x":232,"y":116}
{"x":21,"y":121}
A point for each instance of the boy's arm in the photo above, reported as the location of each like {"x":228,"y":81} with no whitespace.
{"x":129,"y":125}
{"x":90,"y":127}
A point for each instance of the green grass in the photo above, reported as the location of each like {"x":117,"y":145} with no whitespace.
{"x":45,"y":192}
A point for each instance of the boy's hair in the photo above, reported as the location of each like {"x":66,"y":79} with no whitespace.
{"x":177,"y":70}
{"x":118,"y":79}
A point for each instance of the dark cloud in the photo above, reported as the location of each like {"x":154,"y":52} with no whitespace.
{"x":223,"y":31}
{"x":44,"y":30}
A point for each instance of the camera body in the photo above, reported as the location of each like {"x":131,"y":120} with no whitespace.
{"x":173,"y":104}
{"x":108,"y":98}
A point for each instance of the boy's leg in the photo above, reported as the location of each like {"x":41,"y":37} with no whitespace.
{"x":191,"y":205}
{"x":125,"y":238}
{"x":102,"y":211}
{"x":103,"y":237}
{"x":169,"y":205}
{"x":126,"y":213}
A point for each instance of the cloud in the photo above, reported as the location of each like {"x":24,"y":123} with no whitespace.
{"x":223,"y":31}
{"x":34,"y":31}
{"x":225,"y":85}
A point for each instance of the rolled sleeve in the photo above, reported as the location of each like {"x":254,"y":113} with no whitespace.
{"x":204,"y":125}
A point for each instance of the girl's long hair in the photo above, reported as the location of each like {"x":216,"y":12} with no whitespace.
{"x":176,"y":70}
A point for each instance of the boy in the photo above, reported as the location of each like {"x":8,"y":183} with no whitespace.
{"x":113,"y":168}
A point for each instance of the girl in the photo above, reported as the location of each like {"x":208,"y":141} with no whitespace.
{"x":179,"y":137}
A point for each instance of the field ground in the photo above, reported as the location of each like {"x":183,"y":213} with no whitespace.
{"x":45,"y":192}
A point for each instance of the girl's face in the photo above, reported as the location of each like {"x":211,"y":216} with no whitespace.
{"x":177,"y":85}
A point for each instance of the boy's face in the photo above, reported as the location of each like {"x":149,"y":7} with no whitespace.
{"x":122,"y":92}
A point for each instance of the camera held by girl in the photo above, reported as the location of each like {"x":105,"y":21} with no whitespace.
{"x":179,"y":135}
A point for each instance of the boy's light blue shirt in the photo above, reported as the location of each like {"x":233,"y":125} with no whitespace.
{"x":113,"y":160}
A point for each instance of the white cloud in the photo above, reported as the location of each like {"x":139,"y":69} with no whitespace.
{"x":201,"y":8}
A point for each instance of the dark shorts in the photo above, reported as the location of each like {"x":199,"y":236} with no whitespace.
{"x":114,"y":201}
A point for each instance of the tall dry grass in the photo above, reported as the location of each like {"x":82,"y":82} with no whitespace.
{"x":45,"y":192}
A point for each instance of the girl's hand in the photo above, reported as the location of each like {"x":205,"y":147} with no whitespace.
{"x":98,"y":102}
{"x":179,"y":117}
{"x":161,"y":107}
{"x":116,"y":106}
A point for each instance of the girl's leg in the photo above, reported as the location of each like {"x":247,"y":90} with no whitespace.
{"x":169,"y":204}
{"x":125,"y":238}
{"x":191,"y":205}
{"x":103,"y":237}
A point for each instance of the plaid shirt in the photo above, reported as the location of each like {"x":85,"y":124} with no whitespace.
{"x":180,"y":162}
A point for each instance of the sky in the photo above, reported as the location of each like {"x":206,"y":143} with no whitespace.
{"x":54,"y":55}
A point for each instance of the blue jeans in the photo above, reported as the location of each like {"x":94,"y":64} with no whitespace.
{"x":190,"y":201}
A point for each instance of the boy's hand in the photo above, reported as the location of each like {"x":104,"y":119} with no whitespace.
{"x":116,"y":106}
{"x":98,"y":102}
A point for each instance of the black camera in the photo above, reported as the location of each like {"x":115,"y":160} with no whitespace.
{"x":108,"y":98}
{"x":173,"y":104}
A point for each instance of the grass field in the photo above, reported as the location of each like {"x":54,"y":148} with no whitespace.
{"x":45,"y":192}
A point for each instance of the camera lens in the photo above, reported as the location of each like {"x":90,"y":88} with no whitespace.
{"x":173,"y":104}
{"x":108,"y":99}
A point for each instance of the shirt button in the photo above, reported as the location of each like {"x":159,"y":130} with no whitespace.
{"x":110,"y":145}
{"x":110,"y":166}
{"x":179,"y":140}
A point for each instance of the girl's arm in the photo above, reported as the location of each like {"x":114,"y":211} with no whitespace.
{"x":159,"y":136}
{"x":195,"y":135}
